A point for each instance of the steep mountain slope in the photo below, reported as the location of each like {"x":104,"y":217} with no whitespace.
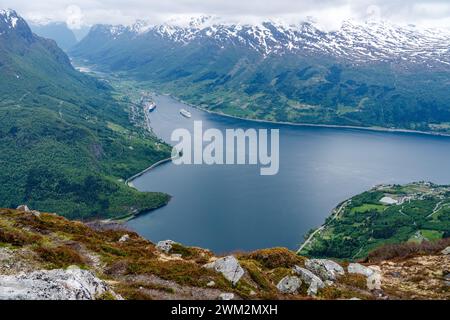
{"x":58,"y":31}
{"x":65,"y":141}
{"x":373,"y":74}
{"x":137,"y":269}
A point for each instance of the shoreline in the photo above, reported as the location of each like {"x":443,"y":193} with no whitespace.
{"x":373,"y":129}
{"x":334,"y":215}
{"x":129,"y":181}
{"x":313,"y":125}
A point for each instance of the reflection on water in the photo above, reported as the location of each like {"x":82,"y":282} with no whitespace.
{"x":227,"y":208}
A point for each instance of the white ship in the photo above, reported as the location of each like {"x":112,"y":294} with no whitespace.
{"x":185,"y":113}
{"x":151,"y":107}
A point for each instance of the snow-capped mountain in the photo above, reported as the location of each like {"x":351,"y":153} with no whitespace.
{"x":358,"y":42}
{"x":9,"y":18}
{"x":374,"y":72}
{"x":11,"y":23}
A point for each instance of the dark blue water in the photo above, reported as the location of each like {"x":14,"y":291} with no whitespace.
{"x":228,"y":208}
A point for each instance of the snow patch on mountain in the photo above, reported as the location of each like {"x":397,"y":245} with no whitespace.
{"x":10,"y":17}
{"x":358,"y":42}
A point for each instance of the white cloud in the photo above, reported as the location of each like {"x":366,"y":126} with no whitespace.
{"x":74,"y":17}
{"x":328,"y":13}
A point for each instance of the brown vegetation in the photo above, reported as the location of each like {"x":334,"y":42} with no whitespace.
{"x":407,"y":250}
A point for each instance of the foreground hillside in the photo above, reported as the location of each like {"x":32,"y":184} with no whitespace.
{"x":387,"y":214}
{"x":373,"y":74}
{"x":65,"y":139}
{"x":44,"y":256}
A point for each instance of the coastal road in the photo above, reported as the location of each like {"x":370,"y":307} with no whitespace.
{"x":335,"y":216}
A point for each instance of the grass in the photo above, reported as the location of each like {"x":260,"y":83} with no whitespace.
{"x":368,"y":207}
{"x":59,"y":257}
{"x":432,"y":235}
{"x":365,"y":225}
{"x":276,"y":258}
{"x":137,"y":270}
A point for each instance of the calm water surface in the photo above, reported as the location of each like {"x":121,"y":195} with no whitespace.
{"x":228,"y":208}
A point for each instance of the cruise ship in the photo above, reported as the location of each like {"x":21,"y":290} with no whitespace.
{"x":151,"y":107}
{"x":185,"y":113}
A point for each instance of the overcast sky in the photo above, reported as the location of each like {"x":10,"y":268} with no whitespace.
{"x":328,"y":13}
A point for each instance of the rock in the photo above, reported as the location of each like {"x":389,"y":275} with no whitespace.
{"x":375,"y":268}
{"x":23,"y":208}
{"x":313,"y":281}
{"x":325,"y":269}
{"x":373,"y":274}
{"x":226,"y":296}
{"x":357,"y":268}
{"x":35,"y":213}
{"x":165,"y":246}
{"x":289,"y":285}
{"x":374,"y":281}
{"x":446,"y":251}
{"x":447,"y":279}
{"x":70,"y":284}
{"x":124,"y":238}
{"x":211,"y":284}
{"x":229,"y":267}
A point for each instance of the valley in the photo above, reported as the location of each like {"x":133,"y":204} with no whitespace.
{"x":86,"y":144}
{"x":368,"y":152}
{"x":67,"y":141}
{"x":363,"y":75}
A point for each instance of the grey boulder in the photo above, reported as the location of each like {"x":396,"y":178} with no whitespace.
{"x":226,"y":296}
{"x":23,"y":208}
{"x":59,"y":284}
{"x":165,"y":246}
{"x":229,"y":267}
{"x":124,"y":238}
{"x":313,"y":281}
{"x":374,"y":281}
{"x":289,"y":285}
{"x":325,"y":269}
{"x":356,"y":268}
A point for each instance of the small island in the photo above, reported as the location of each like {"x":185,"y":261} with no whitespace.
{"x":386,"y":214}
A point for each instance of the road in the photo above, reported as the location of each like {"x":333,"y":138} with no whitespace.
{"x":335,"y":216}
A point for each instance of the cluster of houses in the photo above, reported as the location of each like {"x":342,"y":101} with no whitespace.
{"x":390,"y":199}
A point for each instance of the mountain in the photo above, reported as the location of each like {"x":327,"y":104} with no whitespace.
{"x":66,"y":141}
{"x":415,"y":213}
{"x":58,"y":31}
{"x":81,"y":32}
{"x":364,"y":74}
{"x":44,"y":256}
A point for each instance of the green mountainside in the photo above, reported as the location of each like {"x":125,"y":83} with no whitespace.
{"x":61,"y":149}
{"x":387,"y":214}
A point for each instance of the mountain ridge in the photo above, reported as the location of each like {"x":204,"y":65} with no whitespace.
{"x":369,"y":41}
{"x":120,"y":262}
{"x":59,"y":32}
{"x":66,"y":141}
{"x":384,"y":83}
